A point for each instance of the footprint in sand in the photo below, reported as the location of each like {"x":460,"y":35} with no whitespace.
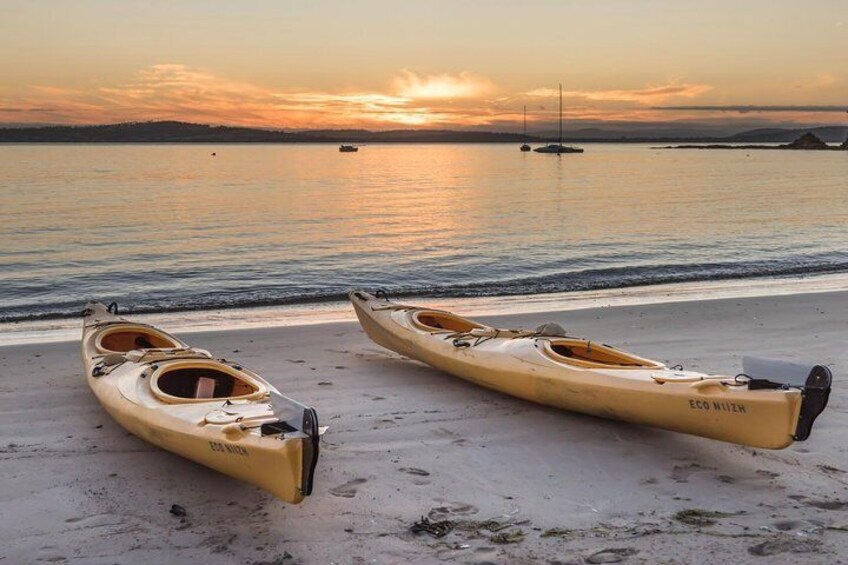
{"x":681,"y":473}
{"x":384,"y":423}
{"x":484,"y":555}
{"x":452,"y":509}
{"x":830,"y":469}
{"x":448,"y":434}
{"x":418,"y":475}
{"x":612,"y":555}
{"x":348,"y":490}
{"x":828,"y":504}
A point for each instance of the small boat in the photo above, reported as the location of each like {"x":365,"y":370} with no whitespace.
{"x":348,"y":148}
{"x":214,"y":412}
{"x":524,"y":148}
{"x":558,"y":148}
{"x":771,"y":405}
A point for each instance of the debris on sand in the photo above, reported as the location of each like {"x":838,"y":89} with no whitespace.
{"x":278,"y":560}
{"x":178,"y":511}
{"x":437,"y":529}
{"x":607,"y":531}
{"x":477,"y":525}
{"x":699,"y":517}
{"x":785,"y":544}
{"x":557,"y":533}
{"x":503,"y":538}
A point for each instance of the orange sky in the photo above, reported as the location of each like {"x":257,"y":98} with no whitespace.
{"x":380,"y":64}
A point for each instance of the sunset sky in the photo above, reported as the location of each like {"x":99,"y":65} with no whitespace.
{"x":435,"y":64}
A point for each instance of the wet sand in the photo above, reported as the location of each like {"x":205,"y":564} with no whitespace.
{"x":523,"y":483}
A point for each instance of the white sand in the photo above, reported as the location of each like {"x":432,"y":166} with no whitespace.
{"x":406,"y":440}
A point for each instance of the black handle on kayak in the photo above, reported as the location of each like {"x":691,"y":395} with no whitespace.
{"x":301,"y":418}
{"x":310,"y":450}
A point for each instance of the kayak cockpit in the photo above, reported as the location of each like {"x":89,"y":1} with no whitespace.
{"x":583,"y":353}
{"x":122,"y":338}
{"x":435,"y":321}
{"x":201,"y":380}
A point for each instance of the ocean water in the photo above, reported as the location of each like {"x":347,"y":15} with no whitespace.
{"x":163,"y":228}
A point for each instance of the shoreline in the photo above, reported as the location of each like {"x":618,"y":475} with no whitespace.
{"x":67,"y":329}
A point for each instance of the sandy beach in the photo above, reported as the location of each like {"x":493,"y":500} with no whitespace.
{"x":523,"y":483}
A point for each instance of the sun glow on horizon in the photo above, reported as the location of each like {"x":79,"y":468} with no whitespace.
{"x":173,"y":91}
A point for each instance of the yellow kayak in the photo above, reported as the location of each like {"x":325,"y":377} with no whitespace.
{"x":770,"y":405}
{"x":214,"y":412}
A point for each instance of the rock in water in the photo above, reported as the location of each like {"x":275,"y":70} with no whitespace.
{"x":178,"y":510}
{"x":807,"y":141}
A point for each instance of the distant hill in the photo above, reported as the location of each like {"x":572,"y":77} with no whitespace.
{"x":182,"y":132}
{"x":146,"y":132}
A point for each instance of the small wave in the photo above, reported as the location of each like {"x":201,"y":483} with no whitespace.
{"x":565,"y":281}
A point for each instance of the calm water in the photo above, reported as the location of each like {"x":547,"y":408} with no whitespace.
{"x":169,"y":227}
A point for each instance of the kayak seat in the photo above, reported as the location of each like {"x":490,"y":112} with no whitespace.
{"x":587,"y":354}
{"x":432,"y":320}
{"x":123,"y":340}
{"x":142,"y":342}
{"x":205,"y":388}
{"x":202,"y":383}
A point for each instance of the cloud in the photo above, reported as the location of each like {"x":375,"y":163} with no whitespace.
{"x":171,"y":91}
{"x":824,"y":80}
{"x":444,"y":86}
{"x":650,"y":95}
{"x":743,"y":109}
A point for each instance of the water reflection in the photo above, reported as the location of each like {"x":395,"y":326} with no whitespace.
{"x":168,"y":225}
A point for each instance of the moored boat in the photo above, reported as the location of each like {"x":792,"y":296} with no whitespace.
{"x":770,"y":405}
{"x":214,"y":412}
{"x":348,"y":148}
{"x":558,"y":148}
{"x":525,"y":147}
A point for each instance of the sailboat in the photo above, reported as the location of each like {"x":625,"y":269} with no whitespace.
{"x":525,"y":147}
{"x":559,"y":148}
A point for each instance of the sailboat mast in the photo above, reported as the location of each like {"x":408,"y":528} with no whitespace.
{"x":525,"y":121}
{"x":560,"y":113}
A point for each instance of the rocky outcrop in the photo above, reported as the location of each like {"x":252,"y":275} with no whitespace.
{"x":807,"y":141}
